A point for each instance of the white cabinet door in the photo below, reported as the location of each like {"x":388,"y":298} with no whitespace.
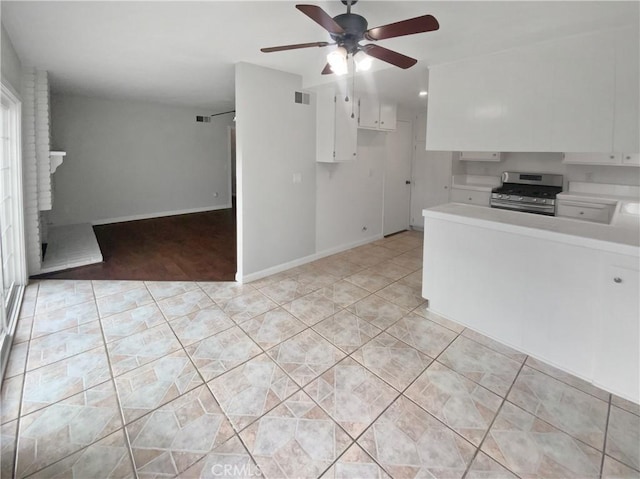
{"x":369,"y":113}
{"x":376,"y":115}
{"x":627,"y":129}
{"x":617,"y":361}
{"x":430,"y":181}
{"x":592,"y":158}
{"x":336,"y":131}
{"x":480,"y":156}
{"x":583,"y":94}
{"x":346,"y":133}
{"x":631,"y":159}
{"x":388,"y":114}
{"x":585,"y":211}
{"x":471,"y":197}
{"x":557,"y":96}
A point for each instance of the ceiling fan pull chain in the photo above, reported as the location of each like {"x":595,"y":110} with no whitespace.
{"x":346,"y":89}
{"x":353,"y":85}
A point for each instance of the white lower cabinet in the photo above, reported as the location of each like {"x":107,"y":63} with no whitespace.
{"x":631,"y":159}
{"x":617,"y":362}
{"x":472,"y":197}
{"x":580,"y":210}
{"x":574,"y":307}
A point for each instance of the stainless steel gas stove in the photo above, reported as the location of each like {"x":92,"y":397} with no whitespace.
{"x":528,"y":192}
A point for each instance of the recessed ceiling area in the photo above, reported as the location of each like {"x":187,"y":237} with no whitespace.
{"x":185,"y":52}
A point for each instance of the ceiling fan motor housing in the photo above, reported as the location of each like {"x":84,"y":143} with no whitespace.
{"x":354,"y":27}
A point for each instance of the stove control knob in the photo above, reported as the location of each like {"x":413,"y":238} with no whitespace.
{"x":520,"y":198}
{"x":543,"y":201}
{"x":535,"y":200}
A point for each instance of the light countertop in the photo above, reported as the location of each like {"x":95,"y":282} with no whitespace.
{"x":621,"y":239}
{"x":475,"y":182}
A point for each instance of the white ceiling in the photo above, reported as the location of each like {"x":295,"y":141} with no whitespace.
{"x":184,"y":52}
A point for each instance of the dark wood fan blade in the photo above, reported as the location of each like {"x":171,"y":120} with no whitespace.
{"x":322,"y":18}
{"x":389,"y":56}
{"x":294,"y":47}
{"x":327,"y":70}
{"x":425,"y":23}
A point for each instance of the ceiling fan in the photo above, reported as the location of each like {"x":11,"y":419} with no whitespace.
{"x":349,"y":29}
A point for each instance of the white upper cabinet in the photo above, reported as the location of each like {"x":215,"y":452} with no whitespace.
{"x":583,"y":94}
{"x":577,"y":94}
{"x":336,"y":131}
{"x":376,"y":115}
{"x":626,"y":138}
{"x":480,"y":156}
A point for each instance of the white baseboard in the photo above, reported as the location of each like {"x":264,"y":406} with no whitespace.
{"x":304,"y":260}
{"x":122,"y":219}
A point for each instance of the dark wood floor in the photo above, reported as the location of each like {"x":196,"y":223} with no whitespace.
{"x":194,"y":247}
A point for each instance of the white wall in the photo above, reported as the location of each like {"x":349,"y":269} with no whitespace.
{"x":552,"y":163}
{"x":349,"y":195}
{"x":11,"y":65}
{"x":127,"y":160}
{"x":275,"y":138}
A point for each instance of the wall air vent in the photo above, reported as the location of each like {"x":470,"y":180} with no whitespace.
{"x":302,"y":98}
{"x":203,"y":119}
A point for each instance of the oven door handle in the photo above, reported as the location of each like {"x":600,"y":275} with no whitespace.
{"x":519,"y":206}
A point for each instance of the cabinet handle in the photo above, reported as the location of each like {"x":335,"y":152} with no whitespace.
{"x":376,"y":121}
{"x":628,"y":157}
{"x":611,"y":156}
{"x":469,"y":198}
{"x":446,"y":187}
{"x":382,"y":122}
{"x":617,"y":280}
{"x":582,"y":212}
{"x":354,"y":154}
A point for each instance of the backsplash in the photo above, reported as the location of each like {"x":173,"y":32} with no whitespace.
{"x":552,"y":163}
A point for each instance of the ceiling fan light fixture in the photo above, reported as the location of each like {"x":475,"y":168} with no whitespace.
{"x":338,"y":61}
{"x":363,"y":61}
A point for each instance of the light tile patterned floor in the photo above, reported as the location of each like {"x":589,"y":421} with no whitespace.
{"x":334,"y":369}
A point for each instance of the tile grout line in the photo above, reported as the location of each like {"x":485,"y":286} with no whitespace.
{"x":115,"y":388}
{"x":398,"y":396}
{"x":155,"y":301}
{"x":606,"y":434}
{"x":67,"y":397}
{"x":22,"y":389}
{"x":478,"y":450}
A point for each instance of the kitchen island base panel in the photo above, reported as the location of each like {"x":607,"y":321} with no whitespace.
{"x":571,"y":305}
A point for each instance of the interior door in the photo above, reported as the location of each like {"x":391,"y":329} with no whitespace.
{"x":397,"y":179}
{"x":431,"y":181}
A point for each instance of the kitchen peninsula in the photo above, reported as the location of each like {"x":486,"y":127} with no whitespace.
{"x":562,"y":290}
